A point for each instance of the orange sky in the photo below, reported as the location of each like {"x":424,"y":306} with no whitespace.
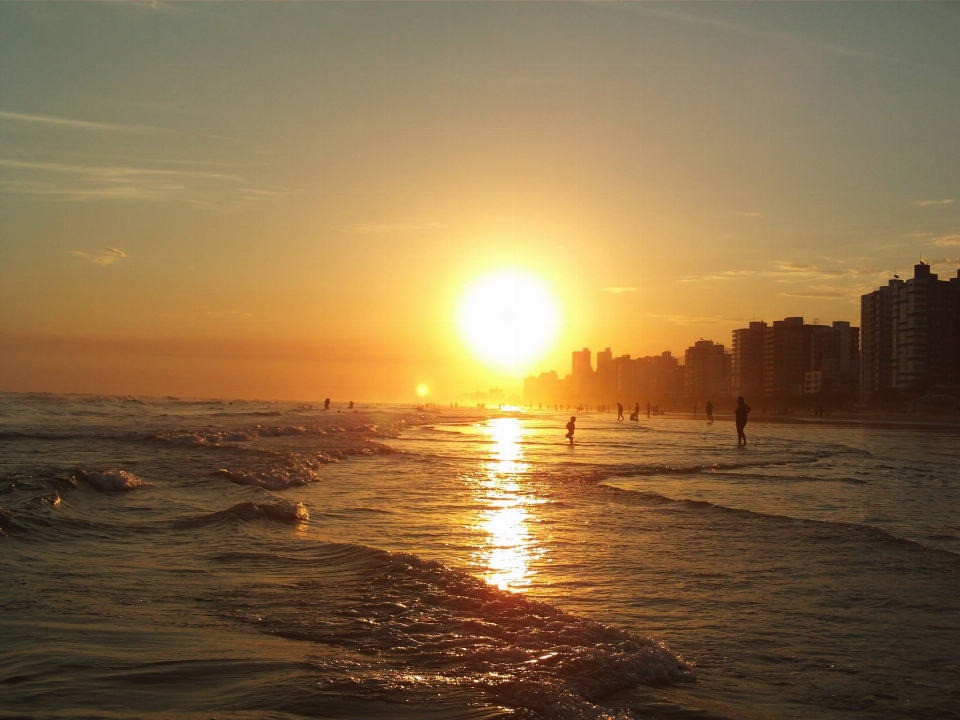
{"x":286,"y":200}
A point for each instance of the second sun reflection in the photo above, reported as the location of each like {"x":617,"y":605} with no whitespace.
{"x":508,"y":514}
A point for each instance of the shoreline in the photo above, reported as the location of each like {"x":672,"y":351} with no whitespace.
{"x":853,"y":420}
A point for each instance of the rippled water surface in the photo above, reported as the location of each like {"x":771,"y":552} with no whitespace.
{"x":167,"y":558}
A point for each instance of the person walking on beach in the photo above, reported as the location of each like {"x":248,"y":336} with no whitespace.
{"x":571,"y":428}
{"x":741,"y":413}
{"x":619,"y":411}
{"x":709,"y":412}
{"x":648,"y":409}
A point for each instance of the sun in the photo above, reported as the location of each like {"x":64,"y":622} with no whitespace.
{"x":508,"y":318}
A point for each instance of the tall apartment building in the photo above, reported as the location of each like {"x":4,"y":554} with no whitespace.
{"x":789,"y":358}
{"x":786,"y":356}
{"x":582,"y":366}
{"x":913,"y":341}
{"x":876,"y":341}
{"x":924,"y":314}
{"x":747,"y":360}
{"x":834,"y":360}
{"x":707,"y":371}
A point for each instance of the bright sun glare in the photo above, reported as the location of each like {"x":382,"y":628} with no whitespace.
{"x":508,"y":318}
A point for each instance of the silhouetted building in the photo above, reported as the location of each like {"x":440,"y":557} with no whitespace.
{"x":925,"y":331}
{"x":582,"y":367}
{"x":835,"y":355}
{"x":707,"y":371}
{"x":911,"y":341}
{"x":606,"y":377}
{"x":747,"y":360}
{"x":876,"y":341}
{"x":542,"y":389}
{"x":786,"y":357}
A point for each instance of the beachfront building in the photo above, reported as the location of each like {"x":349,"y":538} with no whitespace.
{"x":747,"y":360}
{"x":706,"y":371}
{"x":776,"y":360}
{"x":656,"y":379}
{"x":913,"y":342}
{"x":786,"y":357}
{"x":876,"y":341}
{"x":835,"y":354}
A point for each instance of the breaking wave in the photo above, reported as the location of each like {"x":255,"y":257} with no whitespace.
{"x":431,"y":624}
{"x":271,"y":479}
{"x":110,"y":480}
{"x":283,"y":512}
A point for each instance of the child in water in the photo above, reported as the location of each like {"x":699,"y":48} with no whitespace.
{"x":571,"y":427}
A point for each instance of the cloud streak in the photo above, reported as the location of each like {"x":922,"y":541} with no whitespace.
{"x":108,"y":256}
{"x":390,"y":228}
{"x":77,"y":182}
{"x":51,"y":120}
{"x":827,"y":292}
{"x":695,"y":320}
{"x":948,"y":241}
{"x":934,"y":203}
{"x":618,"y":290}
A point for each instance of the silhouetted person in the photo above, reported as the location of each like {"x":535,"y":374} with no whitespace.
{"x":326,"y":404}
{"x":741,"y":412}
{"x":709,"y":411}
{"x":635,"y":415}
{"x":619,"y":411}
{"x":648,"y":410}
{"x":571,"y":428}
{"x":350,"y":406}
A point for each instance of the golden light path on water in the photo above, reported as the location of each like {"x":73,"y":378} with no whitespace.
{"x":509,"y":547}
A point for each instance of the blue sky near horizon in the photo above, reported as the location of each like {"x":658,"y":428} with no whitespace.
{"x":275,"y":199}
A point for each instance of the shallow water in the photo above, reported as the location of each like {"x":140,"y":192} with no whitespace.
{"x":168,"y":558}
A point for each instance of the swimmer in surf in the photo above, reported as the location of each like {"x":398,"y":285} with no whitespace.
{"x":571,"y":427}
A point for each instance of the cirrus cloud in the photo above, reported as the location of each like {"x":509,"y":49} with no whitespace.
{"x":108,"y":256}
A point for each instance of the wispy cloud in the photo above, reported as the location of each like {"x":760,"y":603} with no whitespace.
{"x":108,"y":256}
{"x":390,"y":228}
{"x":918,"y":234}
{"x":52,"y":120}
{"x":193,"y":184}
{"x":695,"y":320}
{"x":788,"y":271}
{"x":948,"y":241}
{"x":755,"y":31}
{"x":618,"y":290}
{"x":111,"y":171}
{"x":827,"y":292}
{"x":934,"y":203}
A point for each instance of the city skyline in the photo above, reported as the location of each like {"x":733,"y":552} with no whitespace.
{"x":910,"y":346}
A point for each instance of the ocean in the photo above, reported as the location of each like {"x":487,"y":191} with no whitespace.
{"x":171,"y":558}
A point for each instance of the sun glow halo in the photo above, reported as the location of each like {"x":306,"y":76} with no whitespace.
{"x":508,"y":318}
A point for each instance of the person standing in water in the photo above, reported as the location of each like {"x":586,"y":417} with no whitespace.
{"x":741,"y":413}
{"x":709,"y":411}
{"x":619,"y":411}
{"x":571,"y":428}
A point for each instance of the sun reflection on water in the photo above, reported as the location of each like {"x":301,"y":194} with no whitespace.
{"x":509,"y":545}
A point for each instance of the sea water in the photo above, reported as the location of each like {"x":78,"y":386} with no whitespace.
{"x":167,"y":558}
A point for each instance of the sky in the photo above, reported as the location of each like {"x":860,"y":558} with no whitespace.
{"x":285,"y":200}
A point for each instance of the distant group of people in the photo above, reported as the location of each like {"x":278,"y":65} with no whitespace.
{"x":740,"y":415}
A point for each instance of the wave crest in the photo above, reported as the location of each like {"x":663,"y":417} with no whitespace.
{"x":285,"y":512}
{"x":114,"y":480}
